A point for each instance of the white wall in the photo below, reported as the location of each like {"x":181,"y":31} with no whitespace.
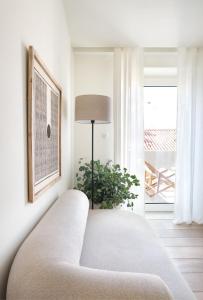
{"x":160,"y":67}
{"x":40,"y":23}
{"x":93,"y":73}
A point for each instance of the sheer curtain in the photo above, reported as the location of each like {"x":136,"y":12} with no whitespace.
{"x":189,"y":174}
{"x":129,"y":115}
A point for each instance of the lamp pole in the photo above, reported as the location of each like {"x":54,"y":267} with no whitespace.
{"x":92,"y":194}
{"x":93,"y":109}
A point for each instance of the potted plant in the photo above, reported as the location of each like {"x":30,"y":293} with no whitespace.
{"x":112,"y":185}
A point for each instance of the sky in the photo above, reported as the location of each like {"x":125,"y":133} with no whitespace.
{"x":160,"y":107}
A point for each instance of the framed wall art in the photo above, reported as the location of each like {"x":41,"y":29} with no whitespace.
{"x":44,"y":127}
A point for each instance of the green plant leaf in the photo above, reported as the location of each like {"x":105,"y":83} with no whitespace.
{"x":112,"y":185}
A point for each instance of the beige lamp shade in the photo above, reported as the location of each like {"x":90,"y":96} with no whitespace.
{"x":93,"y":107}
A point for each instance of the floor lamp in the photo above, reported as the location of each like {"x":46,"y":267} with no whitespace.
{"x":92,"y":109}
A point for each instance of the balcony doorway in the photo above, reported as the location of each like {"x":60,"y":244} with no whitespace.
{"x":160,"y":112}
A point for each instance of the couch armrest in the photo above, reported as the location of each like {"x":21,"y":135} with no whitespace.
{"x":64,"y":281}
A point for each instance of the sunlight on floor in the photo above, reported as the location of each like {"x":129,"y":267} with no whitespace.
{"x":164,"y":197}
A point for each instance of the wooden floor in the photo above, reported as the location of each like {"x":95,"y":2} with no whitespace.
{"x":184,"y":244}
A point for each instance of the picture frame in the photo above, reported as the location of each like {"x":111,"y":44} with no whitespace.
{"x":44,"y":127}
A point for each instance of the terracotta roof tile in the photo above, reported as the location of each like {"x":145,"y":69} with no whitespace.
{"x":160,"y":140}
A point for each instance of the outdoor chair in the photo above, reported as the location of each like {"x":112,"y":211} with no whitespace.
{"x":158,"y":180}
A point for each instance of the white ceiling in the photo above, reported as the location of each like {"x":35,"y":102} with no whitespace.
{"x":147,"y":23}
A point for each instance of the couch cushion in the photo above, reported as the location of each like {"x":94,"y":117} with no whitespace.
{"x":60,"y":233}
{"x":57,"y":238}
{"x":122,"y":241}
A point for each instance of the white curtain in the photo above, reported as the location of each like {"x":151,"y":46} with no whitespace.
{"x":129,"y":115}
{"x":189,"y":174}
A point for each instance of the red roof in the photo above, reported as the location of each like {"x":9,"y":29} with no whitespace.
{"x":160,"y":140}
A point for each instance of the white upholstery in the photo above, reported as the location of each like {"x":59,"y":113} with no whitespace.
{"x":122,"y":241}
{"x":66,"y":281}
{"x":49,"y":263}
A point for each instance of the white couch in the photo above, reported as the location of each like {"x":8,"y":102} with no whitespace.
{"x":74,"y":253}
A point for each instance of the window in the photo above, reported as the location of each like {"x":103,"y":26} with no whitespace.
{"x":160,"y":111}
